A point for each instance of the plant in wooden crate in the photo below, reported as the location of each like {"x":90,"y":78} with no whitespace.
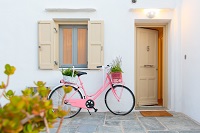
{"x":116,"y":70}
{"x":31,"y":112}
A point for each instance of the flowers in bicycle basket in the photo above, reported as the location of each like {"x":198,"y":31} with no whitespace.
{"x":70,"y":75}
{"x":69,"y":72}
{"x":116,"y":65}
{"x":116,"y":70}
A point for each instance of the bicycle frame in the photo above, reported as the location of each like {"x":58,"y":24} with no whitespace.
{"x":81,"y":102}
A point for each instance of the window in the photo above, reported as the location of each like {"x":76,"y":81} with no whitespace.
{"x":65,"y":43}
{"x":73,"y":46}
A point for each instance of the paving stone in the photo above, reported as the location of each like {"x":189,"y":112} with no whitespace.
{"x":106,"y":129}
{"x":179,"y":123}
{"x":177,"y":114}
{"x":163,"y":132}
{"x":189,"y":131}
{"x":65,"y":122}
{"x":129,"y":116}
{"x":87,"y":129}
{"x":112,"y":123}
{"x":138,"y":114}
{"x":87,"y":115}
{"x":151,"y":123}
{"x":68,"y":129}
{"x":94,"y":121}
{"x":132,"y":127}
{"x":131,"y":123}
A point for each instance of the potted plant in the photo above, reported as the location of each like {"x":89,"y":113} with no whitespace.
{"x":69,"y":75}
{"x":116,"y":70}
{"x":29,"y":112}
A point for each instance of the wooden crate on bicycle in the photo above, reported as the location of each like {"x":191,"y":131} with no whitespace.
{"x":116,"y":71}
{"x":116,"y":77}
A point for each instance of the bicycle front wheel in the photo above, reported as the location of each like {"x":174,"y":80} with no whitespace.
{"x":57,"y":95}
{"x":120,"y":100}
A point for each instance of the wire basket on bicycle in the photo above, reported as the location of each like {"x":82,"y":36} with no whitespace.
{"x":70,"y":75}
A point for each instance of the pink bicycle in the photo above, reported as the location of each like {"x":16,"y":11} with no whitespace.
{"x":119,"y":99}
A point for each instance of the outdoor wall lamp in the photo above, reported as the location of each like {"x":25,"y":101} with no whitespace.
{"x":151,"y":13}
{"x":134,"y":1}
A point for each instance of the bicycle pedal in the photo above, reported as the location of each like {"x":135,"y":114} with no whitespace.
{"x":95,"y":110}
{"x":88,"y":111}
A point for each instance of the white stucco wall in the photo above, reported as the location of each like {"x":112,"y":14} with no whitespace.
{"x":174,"y":65}
{"x":190,"y":31}
{"x":19,"y":39}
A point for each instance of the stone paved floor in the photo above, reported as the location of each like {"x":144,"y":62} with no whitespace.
{"x":131,"y":123}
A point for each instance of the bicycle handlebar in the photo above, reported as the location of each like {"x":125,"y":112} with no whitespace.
{"x":103,"y":66}
{"x":99,"y":66}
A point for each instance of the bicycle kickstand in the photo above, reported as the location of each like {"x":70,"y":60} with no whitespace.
{"x":88,"y":111}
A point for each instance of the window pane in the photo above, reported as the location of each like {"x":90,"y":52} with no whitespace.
{"x":82,"y":46}
{"x":67,"y":46}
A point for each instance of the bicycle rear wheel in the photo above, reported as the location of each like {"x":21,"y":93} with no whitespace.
{"x":57,"y":94}
{"x":126,"y":101}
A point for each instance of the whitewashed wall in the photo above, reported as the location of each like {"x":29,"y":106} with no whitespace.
{"x":190,"y":31}
{"x":19,"y":39}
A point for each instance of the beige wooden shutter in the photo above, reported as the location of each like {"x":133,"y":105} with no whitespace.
{"x":46,"y":50}
{"x":95,"y":44}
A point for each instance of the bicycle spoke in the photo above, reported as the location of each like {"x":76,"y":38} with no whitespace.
{"x":119,"y":100}
{"x":57,"y":95}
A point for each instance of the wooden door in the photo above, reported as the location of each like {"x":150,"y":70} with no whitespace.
{"x":147,"y":41}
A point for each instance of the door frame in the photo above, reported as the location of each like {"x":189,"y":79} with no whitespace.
{"x":165,"y":60}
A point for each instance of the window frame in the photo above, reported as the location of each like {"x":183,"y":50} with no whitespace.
{"x":59,"y":23}
{"x":74,"y":46}
{"x":48,"y":42}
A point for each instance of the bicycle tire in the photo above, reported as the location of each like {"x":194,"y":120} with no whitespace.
{"x":126,"y":103}
{"x":57,"y":94}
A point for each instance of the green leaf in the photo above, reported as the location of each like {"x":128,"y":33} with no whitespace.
{"x":28,"y":128}
{"x":48,"y":103}
{"x":10,"y":93}
{"x":62,"y":113}
{"x":19,"y":107}
{"x":9,"y":70}
{"x":2,"y":86}
{"x":39,"y":83}
{"x":43,"y":91}
{"x":67,"y":89}
{"x":69,"y":72}
{"x":116,"y":65}
{"x":28,"y":92}
{"x":17,"y":103}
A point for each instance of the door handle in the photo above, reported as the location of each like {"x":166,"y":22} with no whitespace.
{"x":55,"y":62}
{"x":148,"y":65}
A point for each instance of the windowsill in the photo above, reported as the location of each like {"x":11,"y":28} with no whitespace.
{"x":70,"y":9}
{"x":75,"y":68}
{"x":79,"y":68}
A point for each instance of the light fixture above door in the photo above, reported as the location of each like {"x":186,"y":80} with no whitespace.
{"x":134,"y":1}
{"x":151,"y":13}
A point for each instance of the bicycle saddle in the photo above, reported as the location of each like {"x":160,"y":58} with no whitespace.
{"x":79,"y":73}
